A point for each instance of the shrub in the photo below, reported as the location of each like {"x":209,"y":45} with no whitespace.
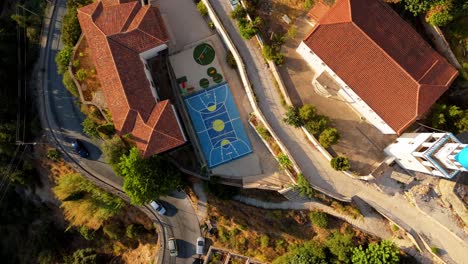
{"x":303,"y":187}
{"x":383,"y":252}
{"x":264,"y":241}
{"x":106,"y":131}
{"x":87,"y":233}
{"x":292,"y":117}
{"x":238,"y":13}
{"x":62,"y":59}
{"x":53,"y":154}
{"x":318,"y":125}
{"x":211,"y":25}
{"x":231,"y":61}
{"x":340,"y":163}
{"x":328,"y":137}
{"x":395,"y":228}
{"x":134,"y":230}
{"x":435,"y":250}
{"x":263,"y":132}
{"x":319,"y":219}
{"x":112,"y":231}
{"x":76,"y":64}
{"x":69,"y":84}
{"x":284,"y":162}
{"x":71,"y":30}
{"x":307,"y":112}
{"x":246,"y":29}
{"x":202,"y":8}
{"x":308,"y":4}
{"x":90,"y":128}
{"x":81,"y":74}
{"x":273,"y":53}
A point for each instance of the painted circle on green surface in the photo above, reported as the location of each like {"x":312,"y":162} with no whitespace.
{"x":204,"y":83}
{"x":211,"y":71}
{"x":218,"y":78}
{"x":218,"y":125}
{"x":204,"y":54}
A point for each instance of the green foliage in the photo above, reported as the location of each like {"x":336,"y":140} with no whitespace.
{"x":53,"y":154}
{"x":134,"y":231}
{"x":291,"y":117}
{"x":106,"y":131}
{"x":263,"y":132}
{"x":384,"y":252}
{"x":317,"y":125}
{"x":247,"y":29}
{"x":87,"y":233}
{"x":238,"y":13}
{"x":284,"y":162}
{"x":395,"y":228}
{"x":439,"y":18}
{"x":273,"y":53}
{"x":202,"y":8}
{"x":340,"y":163}
{"x":310,"y":252}
{"x":62,"y":59}
{"x":438,"y":12}
{"x":69,"y":84}
{"x":112,"y":230}
{"x":303,"y":187}
{"x":223,"y":192}
{"x":71,"y":30}
{"x":85,"y":204}
{"x":307,"y":113}
{"x":90,"y":128}
{"x":83,"y":256}
{"x":76,"y":64}
{"x":417,"y":6}
{"x":231,"y":61}
{"x":81,"y":75}
{"x":308,"y":4}
{"x":341,"y":245}
{"x":319,"y":219}
{"x":147,"y":179}
{"x":113,"y":150}
{"x":328,"y":137}
{"x":450,"y":118}
{"x":264,"y":241}
{"x":435,"y":250}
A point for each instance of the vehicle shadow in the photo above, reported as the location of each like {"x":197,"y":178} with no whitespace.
{"x":186,"y":249}
{"x":171,"y":210}
{"x":95,"y":152}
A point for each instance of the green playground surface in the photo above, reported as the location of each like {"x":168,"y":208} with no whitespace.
{"x":204,"y":54}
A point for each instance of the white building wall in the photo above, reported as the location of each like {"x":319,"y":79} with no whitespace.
{"x":345,"y":92}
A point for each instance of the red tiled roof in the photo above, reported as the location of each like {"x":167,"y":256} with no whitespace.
{"x":318,"y":10}
{"x":117,"y":31}
{"x":382,"y":58}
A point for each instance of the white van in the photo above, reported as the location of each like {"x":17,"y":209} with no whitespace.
{"x":172,"y":244}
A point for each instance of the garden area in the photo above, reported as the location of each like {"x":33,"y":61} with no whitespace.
{"x":281,"y":236}
{"x":456,"y":34}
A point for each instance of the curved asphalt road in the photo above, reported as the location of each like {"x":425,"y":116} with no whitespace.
{"x":61,"y":120}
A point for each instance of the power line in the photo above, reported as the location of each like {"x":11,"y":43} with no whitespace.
{"x":16,"y":168}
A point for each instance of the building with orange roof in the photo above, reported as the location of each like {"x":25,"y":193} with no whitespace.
{"x":384,"y":69}
{"x":123,"y":37}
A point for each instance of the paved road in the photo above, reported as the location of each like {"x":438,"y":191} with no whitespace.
{"x":61,"y":118}
{"x":315,"y":167}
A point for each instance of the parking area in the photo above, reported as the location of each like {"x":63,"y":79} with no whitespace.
{"x":360,"y":141}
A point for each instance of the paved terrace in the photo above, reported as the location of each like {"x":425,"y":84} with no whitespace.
{"x":316,"y":168}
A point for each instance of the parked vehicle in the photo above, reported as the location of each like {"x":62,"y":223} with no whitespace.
{"x":158,"y":207}
{"x":80,"y":148}
{"x":200,"y":245}
{"x":172,"y":243}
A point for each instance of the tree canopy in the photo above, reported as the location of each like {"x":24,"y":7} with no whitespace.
{"x":450,"y":118}
{"x":147,"y":179}
{"x":384,"y":252}
{"x":309,"y":253}
{"x":438,"y":12}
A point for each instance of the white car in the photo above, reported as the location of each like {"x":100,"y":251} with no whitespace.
{"x":200,"y":245}
{"x":158,"y":207}
{"x":172,"y":243}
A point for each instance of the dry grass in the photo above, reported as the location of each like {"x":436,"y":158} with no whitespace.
{"x":241,"y":227}
{"x":91,"y":83}
{"x":144,"y":253}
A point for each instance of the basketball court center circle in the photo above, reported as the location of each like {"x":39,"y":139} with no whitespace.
{"x":218,"y":125}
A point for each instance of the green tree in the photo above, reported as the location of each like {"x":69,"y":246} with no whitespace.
{"x":317,"y":125}
{"x":307,"y":113}
{"x":284,"y":161}
{"x":113,"y":150}
{"x":340,"y":163}
{"x":264,"y":241}
{"x":90,"y":128}
{"x":450,"y":118}
{"x":319,"y":219}
{"x":291,"y":117}
{"x":384,"y":252}
{"x":238,"y":13}
{"x":329,"y":137}
{"x":303,"y":187}
{"x":246,"y":29}
{"x":309,"y":253}
{"x":341,"y":245}
{"x":273,"y":53}
{"x":417,"y":6}
{"x":62,"y":59}
{"x":83,"y":256}
{"x":147,"y":179}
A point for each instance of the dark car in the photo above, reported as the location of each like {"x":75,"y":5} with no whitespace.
{"x":79,"y":148}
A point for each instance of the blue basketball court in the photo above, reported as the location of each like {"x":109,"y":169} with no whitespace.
{"x":219,"y":129}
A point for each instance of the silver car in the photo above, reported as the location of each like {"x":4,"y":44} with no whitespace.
{"x":172,"y":244}
{"x":158,"y":207}
{"x":200,"y":245}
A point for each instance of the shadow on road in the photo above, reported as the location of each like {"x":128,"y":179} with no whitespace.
{"x":186,"y":249}
{"x":171,"y":210}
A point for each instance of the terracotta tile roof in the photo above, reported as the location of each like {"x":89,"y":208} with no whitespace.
{"x":382,"y":58}
{"x":117,"y":31}
{"x":318,"y":10}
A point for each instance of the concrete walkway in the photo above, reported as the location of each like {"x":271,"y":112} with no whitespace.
{"x":201,"y":209}
{"x":315,"y":167}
